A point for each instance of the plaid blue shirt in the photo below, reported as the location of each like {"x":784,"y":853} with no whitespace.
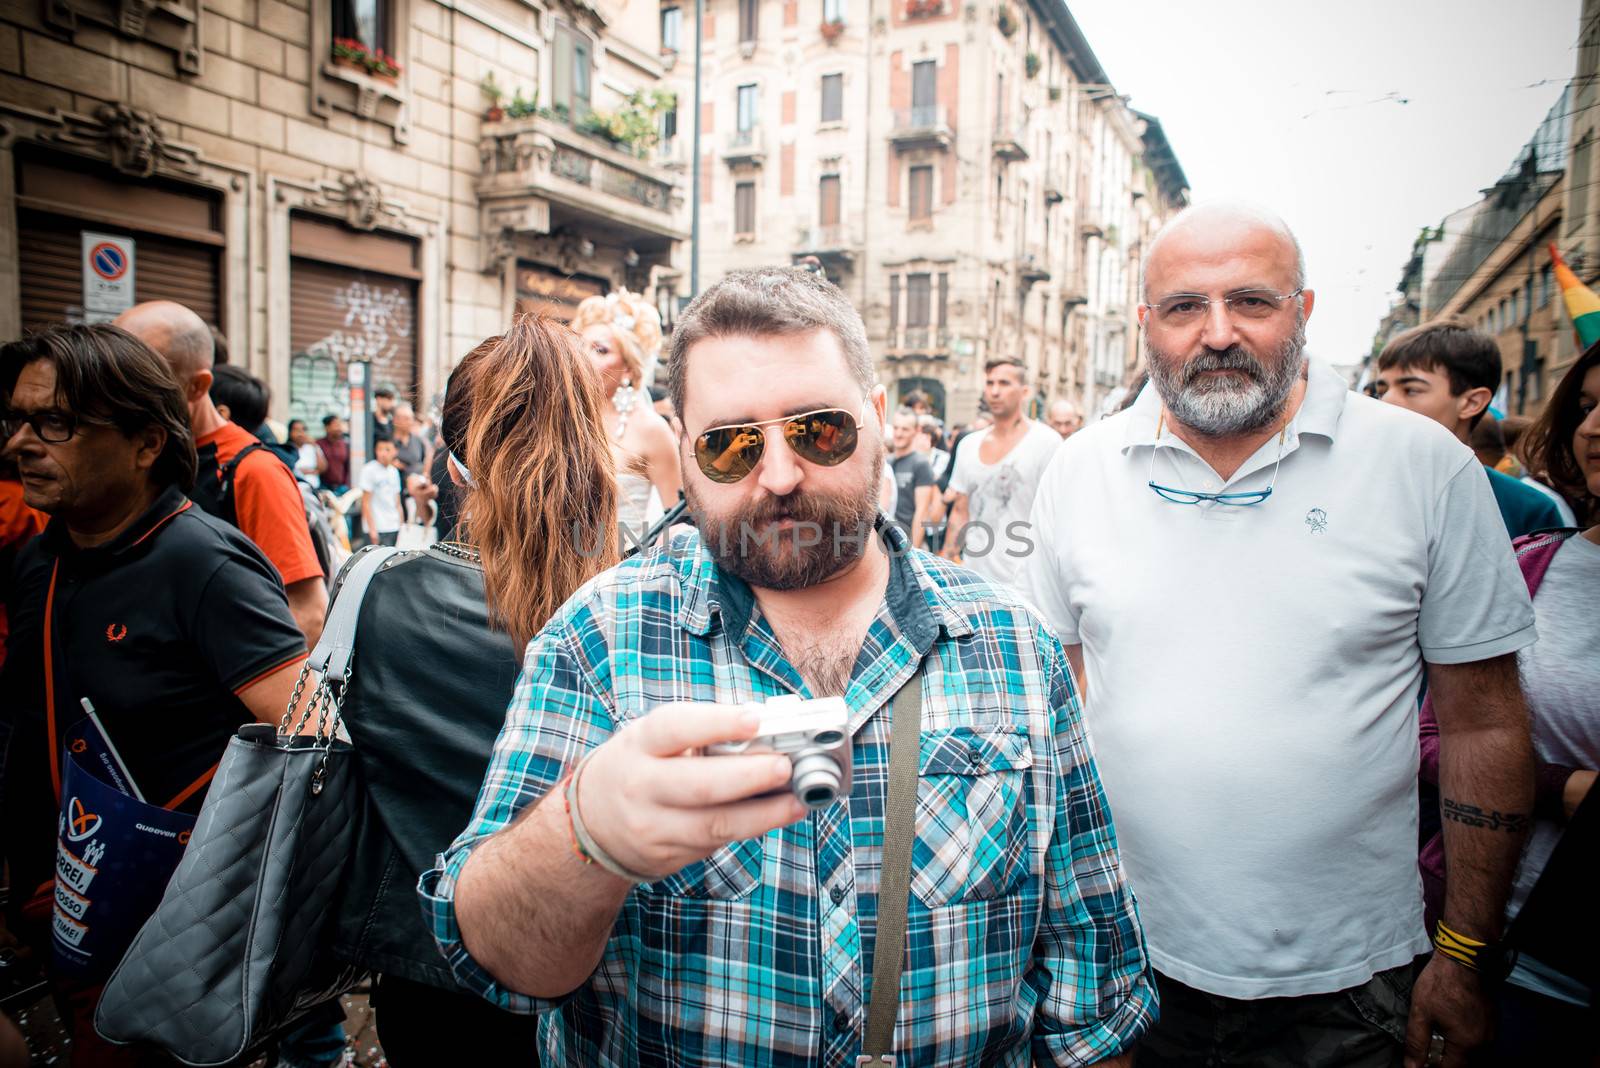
{"x":1022,"y":936}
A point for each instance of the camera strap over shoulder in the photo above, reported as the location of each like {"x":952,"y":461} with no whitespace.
{"x":894,"y":884}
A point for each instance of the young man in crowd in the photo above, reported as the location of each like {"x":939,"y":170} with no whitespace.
{"x":382,"y":512}
{"x":1447,"y":370}
{"x":913,"y":478}
{"x":336,"y":447}
{"x":722,"y":923}
{"x":168,"y":620}
{"x":266,"y":503}
{"x":309,"y":462}
{"x":996,"y":472}
{"x":383,"y":405}
{"x":1249,"y":568}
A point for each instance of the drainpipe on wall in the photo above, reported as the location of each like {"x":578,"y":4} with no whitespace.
{"x":694,"y":207}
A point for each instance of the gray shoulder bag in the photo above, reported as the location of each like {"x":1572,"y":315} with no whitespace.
{"x":232,"y":954}
{"x":894,"y":881}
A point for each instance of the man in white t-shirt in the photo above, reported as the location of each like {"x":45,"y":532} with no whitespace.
{"x":996,"y":473}
{"x":1249,"y":569}
{"x":381,"y":510}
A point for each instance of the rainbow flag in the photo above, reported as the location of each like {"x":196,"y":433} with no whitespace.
{"x":1583,"y":306}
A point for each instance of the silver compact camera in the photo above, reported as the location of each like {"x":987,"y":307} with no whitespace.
{"x":814,"y":735}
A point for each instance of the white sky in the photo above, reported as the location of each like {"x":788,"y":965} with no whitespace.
{"x":1293,"y":104}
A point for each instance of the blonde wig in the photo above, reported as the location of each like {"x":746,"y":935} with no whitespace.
{"x":636,"y":325}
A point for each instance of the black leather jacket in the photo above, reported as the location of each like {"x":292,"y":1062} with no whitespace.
{"x":428,"y":692}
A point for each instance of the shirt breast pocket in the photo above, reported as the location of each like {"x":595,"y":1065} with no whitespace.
{"x":972,"y":817}
{"x":729,"y":874}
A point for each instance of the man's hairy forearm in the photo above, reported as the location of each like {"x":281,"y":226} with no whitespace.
{"x":1486,"y":787}
{"x":531,"y":913}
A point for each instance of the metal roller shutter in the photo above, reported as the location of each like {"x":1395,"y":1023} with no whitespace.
{"x":338,"y":314}
{"x":49,"y":247}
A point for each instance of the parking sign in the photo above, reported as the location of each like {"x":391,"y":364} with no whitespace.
{"x":107,"y":275}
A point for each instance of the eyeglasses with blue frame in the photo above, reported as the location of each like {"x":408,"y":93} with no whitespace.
{"x":1238,"y":499}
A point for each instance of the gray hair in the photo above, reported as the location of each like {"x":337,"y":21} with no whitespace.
{"x":766,"y":302}
{"x":1238,"y":209}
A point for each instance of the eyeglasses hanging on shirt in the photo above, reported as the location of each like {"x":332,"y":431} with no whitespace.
{"x":1239,"y":499}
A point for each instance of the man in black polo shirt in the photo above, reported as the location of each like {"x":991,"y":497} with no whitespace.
{"x":169,"y":620}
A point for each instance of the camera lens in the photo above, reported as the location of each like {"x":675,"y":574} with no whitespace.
{"x":816,"y":779}
{"x":828,"y":738}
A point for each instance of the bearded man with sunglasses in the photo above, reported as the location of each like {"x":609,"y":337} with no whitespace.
{"x":665,"y":908}
{"x":1250,"y":568}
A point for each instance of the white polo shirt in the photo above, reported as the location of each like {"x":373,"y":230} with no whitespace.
{"x":1252,"y":674}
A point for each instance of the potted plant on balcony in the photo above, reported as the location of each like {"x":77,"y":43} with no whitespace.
{"x":1031,"y":64}
{"x":376,"y":63}
{"x":916,"y":9}
{"x":832,"y":29}
{"x":495,"y":95}
{"x":522,"y":106}
{"x":1006,"y":19}
{"x":1055,"y":93}
{"x":635,"y":126}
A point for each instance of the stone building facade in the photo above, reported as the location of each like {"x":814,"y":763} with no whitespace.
{"x":334,"y":184}
{"x":1490,"y":264}
{"x":964,"y":170}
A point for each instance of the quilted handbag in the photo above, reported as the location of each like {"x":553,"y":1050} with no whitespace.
{"x":235,"y":951}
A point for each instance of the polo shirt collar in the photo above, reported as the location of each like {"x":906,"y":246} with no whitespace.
{"x":170,"y":503}
{"x":1326,"y":394}
{"x":917,"y":603}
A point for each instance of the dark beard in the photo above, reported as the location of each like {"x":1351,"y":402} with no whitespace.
{"x":1224,"y":408}
{"x":829,"y":534}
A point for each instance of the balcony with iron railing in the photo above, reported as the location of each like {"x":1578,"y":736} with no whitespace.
{"x":922,"y":126}
{"x":1008,"y":143}
{"x":834,"y":245}
{"x":551,"y":169}
{"x":1072,"y":290}
{"x":926,"y":341}
{"x":1031,"y":269}
{"x":745,"y":146}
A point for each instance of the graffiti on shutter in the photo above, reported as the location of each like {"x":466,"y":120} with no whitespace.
{"x":315,"y":389}
{"x":377,"y":326}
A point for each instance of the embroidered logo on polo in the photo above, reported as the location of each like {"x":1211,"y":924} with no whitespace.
{"x":116,"y":632}
{"x":1317,"y":521}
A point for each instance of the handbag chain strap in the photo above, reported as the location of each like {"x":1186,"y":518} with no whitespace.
{"x":333,"y":660}
{"x":894,"y":882}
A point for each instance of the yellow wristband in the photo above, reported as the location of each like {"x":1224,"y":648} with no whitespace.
{"x":1457,"y":946}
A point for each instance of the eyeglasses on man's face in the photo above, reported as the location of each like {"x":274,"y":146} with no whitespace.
{"x":1247,"y":305}
{"x":50,"y":425}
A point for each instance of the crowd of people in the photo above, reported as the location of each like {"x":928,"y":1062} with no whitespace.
{"x":1253,"y":724}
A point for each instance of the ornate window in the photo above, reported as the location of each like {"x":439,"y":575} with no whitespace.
{"x":358,"y":62}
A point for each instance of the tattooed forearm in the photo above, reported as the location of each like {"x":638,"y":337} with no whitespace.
{"x":1473,"y":816}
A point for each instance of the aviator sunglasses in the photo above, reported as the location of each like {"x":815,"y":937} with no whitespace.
{"x":826,"y":437}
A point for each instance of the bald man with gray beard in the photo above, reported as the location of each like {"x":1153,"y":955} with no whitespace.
{"x":1249,"y":569}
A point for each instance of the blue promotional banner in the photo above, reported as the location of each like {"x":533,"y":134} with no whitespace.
{"x":114,"y":856}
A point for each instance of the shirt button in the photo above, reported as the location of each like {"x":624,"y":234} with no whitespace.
{"x":975,"y":754}
{"x":837,"y":893}
{"x":841,"y":1021}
